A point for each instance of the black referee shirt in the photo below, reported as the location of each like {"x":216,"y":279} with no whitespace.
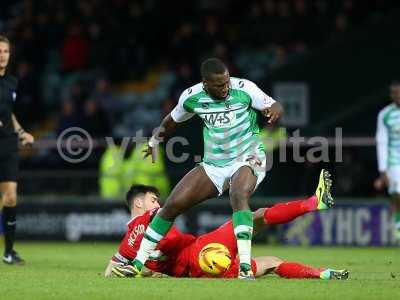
{"x":8,"y":95}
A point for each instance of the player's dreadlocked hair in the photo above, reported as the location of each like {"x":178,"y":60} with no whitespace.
{"x":212,"y":66}
{"x":139,"y":190}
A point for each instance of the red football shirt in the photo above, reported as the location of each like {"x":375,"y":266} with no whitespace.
{"x":171,"y":256}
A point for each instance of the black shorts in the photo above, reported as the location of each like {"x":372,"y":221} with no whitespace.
{"x":9,"y":162}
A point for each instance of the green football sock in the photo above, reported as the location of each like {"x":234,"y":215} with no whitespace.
{"x":157,"y":229}
{"x":243,"y":227}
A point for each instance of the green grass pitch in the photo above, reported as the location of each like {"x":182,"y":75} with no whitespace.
{"x":75,"y":271}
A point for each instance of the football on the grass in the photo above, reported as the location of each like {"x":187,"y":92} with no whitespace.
{"x":214,"y":259}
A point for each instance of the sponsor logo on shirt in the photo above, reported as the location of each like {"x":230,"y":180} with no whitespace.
{"x":219,"y":119}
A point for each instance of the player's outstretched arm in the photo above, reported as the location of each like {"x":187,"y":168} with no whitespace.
{"x":149,"y":273}
{"x":166,"y":128}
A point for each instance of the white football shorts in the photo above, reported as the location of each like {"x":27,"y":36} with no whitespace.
{"x":221,"y":176}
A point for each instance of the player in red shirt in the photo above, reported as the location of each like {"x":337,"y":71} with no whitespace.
{"x":177,"y":254}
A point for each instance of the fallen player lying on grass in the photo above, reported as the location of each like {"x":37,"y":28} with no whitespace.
{"x":214,"y":254}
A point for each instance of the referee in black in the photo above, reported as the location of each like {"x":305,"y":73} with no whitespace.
{"x":10,"y":132}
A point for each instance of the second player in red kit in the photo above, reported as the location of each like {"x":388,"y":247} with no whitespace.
{"x":178,"y":253}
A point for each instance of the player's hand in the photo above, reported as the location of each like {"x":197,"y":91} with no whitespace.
{"x":26,"y":139}
{"x":153,"y":151}
{"x":274,"y":112}
{"x":159,"y":275}
{"x":381,"y":182}
{"x":254,"y":161}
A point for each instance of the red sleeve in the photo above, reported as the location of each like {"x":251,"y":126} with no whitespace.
{"x":136,"y":228}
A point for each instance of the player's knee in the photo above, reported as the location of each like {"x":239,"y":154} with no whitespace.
{"x":9,"y":198}
{"x":275,"y":261}
{"x":171,"y":209}
{"x":259,"y":214}
{"x":240,"y":197}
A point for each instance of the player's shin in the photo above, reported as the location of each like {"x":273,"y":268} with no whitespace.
{"x":243,"y":228}
{"x":296,"y":270}
{"x":157,"y":229}
{"x":286,"y":212}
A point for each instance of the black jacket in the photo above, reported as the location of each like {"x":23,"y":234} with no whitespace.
{"x":8,"y":95}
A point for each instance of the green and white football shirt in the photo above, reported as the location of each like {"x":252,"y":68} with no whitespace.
{"x":388,"y":137}
{"x":230,"y":126}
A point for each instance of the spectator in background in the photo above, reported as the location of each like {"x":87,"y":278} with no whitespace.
{"x":75,"y":49}
{"x":302,"y":23}
{"x":29,"y":103}
{"x":221,"y":51}
{"x":105,"y":99}
{"x":95,"y":120}
{"x":69,"y":117}
{"x":79,"y":36}
{"x":27,"y":49}
{"x":211,"y":32}
{"x":351,"y":11}
{"x":184,"y":77}
{"x":341,"y":23}
{"x":184,"y":43}
{"x":284,"y":23}
{"x":269,"y":23}
{"x":279,"y":57}
{"x":341,"y":26}
{"x":77,"y":93}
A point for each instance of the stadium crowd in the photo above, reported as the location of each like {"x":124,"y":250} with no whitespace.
{"x":114,"y":67}
{"x":67,"y":52}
